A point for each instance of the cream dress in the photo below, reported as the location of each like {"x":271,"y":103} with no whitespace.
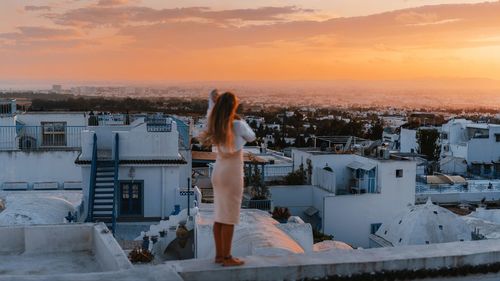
{"x":227,"y":176}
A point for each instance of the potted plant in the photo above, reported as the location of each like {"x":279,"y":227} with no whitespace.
{"x":281,"y":214}
{"x":259,"y":191}
{"x":297,"y":177}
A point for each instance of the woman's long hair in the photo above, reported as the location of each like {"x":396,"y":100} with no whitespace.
{"x":219,"y":131}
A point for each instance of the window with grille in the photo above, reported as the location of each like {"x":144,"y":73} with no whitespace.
{"x":5,"y":108}
{"x":53,"y":133}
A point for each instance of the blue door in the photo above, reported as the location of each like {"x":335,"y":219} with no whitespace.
{"x":131,"y":198}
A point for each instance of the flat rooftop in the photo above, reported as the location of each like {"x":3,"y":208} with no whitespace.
{"x":59,"y":249}
{"x":471,"y":260}
{"x":49,"y":263}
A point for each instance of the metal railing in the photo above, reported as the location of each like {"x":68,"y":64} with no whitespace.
{"x":183,"y":130}
{"x":483,"y":186}
{"x":273,"y":171}
{"x":115,"y":182}
{"x":50,"y":136}
{"x":93,"y":171}
{"x":264,"y":205}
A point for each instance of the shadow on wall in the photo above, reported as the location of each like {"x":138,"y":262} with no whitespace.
{"x":180,"y":250}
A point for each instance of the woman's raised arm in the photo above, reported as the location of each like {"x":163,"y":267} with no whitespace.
{"x":212,"y":97}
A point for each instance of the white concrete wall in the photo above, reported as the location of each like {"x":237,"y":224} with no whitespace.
{"x":458,"y":150}
{"x":40,"y":239}
{"x":156,"y":179}
{"x":138,"y":143}
{"x":337,"y":162}
{"x":39,"y":166}
{"x":36,"y":118}
{"x":319,"y":197}
{"x":12,"y":240}
{"x":85,"y":178}
{"x":348,"y":217}
{"x":456,"y":166}
{"x":135,"y":142}
{"x":185,"y":170}
{"x":160,"y":187}
{"x":64,"y":238}
{"x":408,"y":140}
{"x":346,"y":264}
{"x":484,"y":150}
{"x":107,"y":251}
{"x":105,"y":137}
{"x":7,"y":121}
{"x":461,"y":145}
{"x":297,"y":198}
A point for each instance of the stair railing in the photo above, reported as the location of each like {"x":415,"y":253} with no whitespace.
{"x":115,"y":189}
{"x":93,"y":172}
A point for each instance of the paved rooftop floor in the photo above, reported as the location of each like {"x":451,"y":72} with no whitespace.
{"x":70,"y":262}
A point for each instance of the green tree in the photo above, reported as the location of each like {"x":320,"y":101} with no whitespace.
{"x":376,"y":130}
{"x":259,"y":189}
{"x":428,"y":143}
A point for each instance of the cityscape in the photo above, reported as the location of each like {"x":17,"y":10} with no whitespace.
{"x":368,"y":136}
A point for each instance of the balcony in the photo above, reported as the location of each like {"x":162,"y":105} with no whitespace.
{"x":48,"y":136}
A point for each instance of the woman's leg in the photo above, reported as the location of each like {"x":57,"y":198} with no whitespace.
{"x":219,"y":253}
{"x":227,"y":240}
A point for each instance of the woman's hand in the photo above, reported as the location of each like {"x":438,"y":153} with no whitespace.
{"x":213,"y":95}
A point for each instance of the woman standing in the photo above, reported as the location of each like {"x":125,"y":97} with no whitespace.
{"x":227,"y":134}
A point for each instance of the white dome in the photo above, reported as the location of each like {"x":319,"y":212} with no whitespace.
{"x":487,"y":215}
{"x":23,"y":210}
{"x":425,"y":224}
{"x":328,"y":245}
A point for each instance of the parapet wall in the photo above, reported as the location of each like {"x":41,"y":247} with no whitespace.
{"x":427,"y":261}
{"x":65,"y":238}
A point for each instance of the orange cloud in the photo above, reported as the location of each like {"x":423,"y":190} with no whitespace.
{"x":37,"y":8}
{"x":114,"y":15}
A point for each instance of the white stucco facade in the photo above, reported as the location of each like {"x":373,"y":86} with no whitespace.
{"x":350,"y":217}
{"x":150,"y":159}
{"x":408,"y":140}
{"x":32,"y":167}
{"x":31,"y":157}
{"x":478,"y":144}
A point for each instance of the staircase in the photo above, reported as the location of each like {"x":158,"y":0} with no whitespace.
{"x":104,"y":192}
{"x":103,"y":187}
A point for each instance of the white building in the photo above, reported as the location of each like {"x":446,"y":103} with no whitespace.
{"x":393,"y":121}
{"x":143,"y":163}
{"x":408,"y":140}
{"x":54,"y":151}
{"x":259,"y":121}
{"x":477,"y":144}
{"x":38,"y":149}
{"x":56,"y":89}
{"x":350,"y":195}
{"x":274,"y":126}
{"x":391,"y":138}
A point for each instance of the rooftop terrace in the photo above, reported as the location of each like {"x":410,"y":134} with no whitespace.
{"x":59,"y":249}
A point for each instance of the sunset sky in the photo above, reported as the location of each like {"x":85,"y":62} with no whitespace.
{"x":193,"y":40}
